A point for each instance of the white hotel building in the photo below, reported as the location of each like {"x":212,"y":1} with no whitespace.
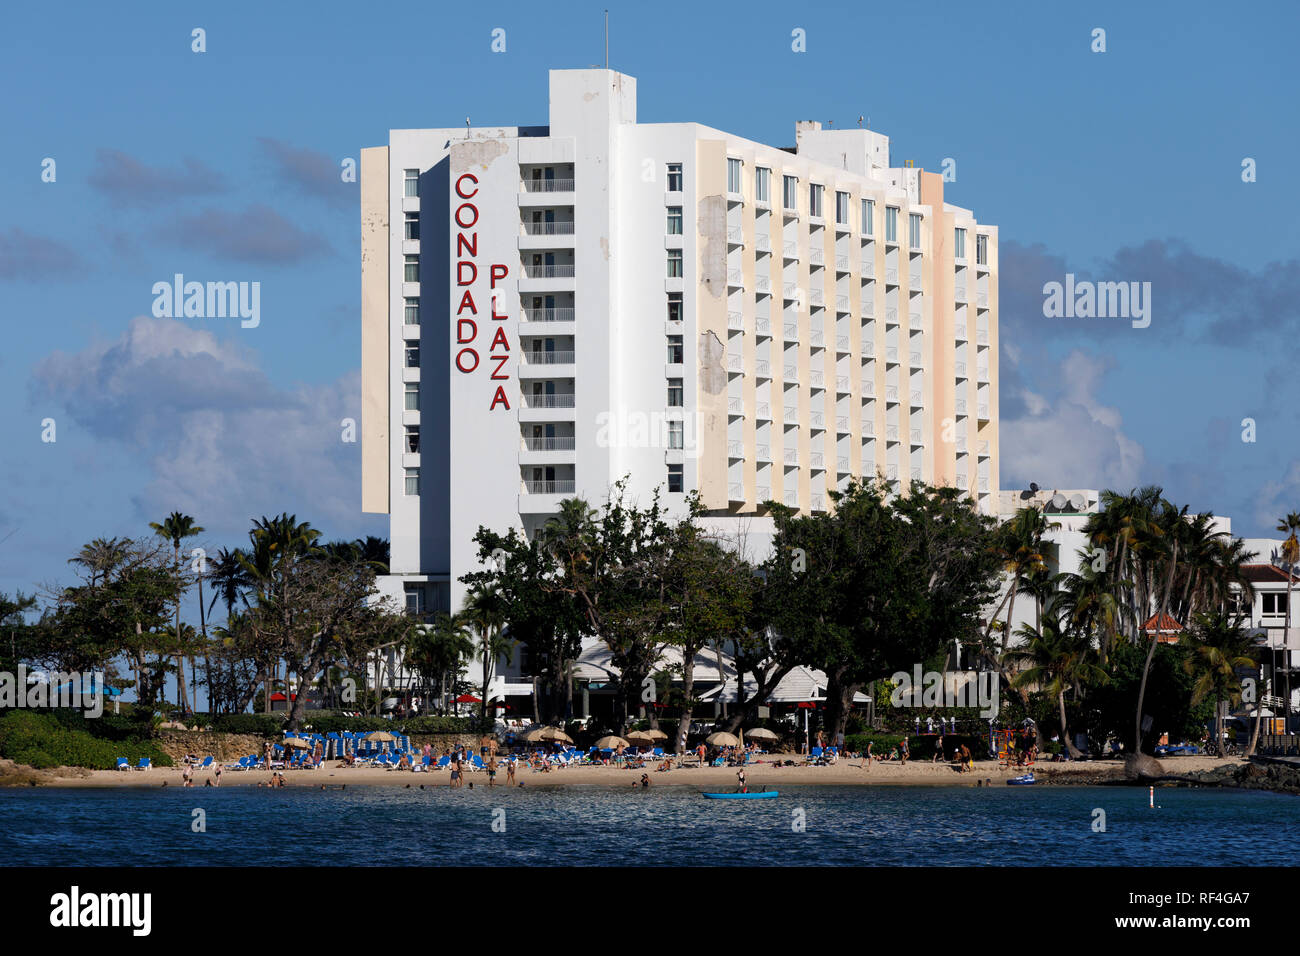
{"x":546,"y":310}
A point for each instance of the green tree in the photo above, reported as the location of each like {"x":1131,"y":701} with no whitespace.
{"x":1218,"y":647}
{"x":175,"y":528}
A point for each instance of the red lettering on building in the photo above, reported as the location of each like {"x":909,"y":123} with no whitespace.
{"x":501,"y":338}
{"x":467,"y":302}
{"x":461,"y":210}
{"x":496,"y":372}
{"x":461,"y":337}
{"x":500,"y":398}
{"x":467,"y":244}
{"x":460,"y":360}
{"x":460,"y":190}
{"x":497,"y":272}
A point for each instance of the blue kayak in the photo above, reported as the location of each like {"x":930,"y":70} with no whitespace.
{"x":752,"y":795}
{"x":1022,"y":781}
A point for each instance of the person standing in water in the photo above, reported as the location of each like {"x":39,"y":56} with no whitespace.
{"x":740,"y":775}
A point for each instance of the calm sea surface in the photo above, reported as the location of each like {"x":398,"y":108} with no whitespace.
{"x":383,"y":826}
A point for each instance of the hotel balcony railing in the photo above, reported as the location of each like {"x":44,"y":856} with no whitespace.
{"x":960,"y":406}
{"x":891,"y":393}
{"x":916,"y":398}
{"x":915,"y":358}
{"x":983,"y":413}
{"x":916,"y":474}
{"x":817,"y":420}
{"x":960,"y":369}
{"x":816,"y":379}
{"x":548,"y":185}
{"x":816,"y":339}
{"x":550,"y":444}
{"x":891,"y":353}
{"x":791,"y":456}
{"x":547,"y":358}
{"x":841,"y":424}
{"x":762,"y":325}
{"x":735,"y":406}
{"x":763,"y":243}
{"x":982,"y":300}
{"x":790,"y":250}
{"x":815,"y":459}
{"x":549,"y":272}
{"x":984,"y":484}
{"x":790,"y":290}
{"x":562,"y":400}
{"x":762,"y":368}
{"x":842,"y":465}
{"x":816,"y":297}
{"x":916,"y":436}
{"x":736,"y":321}
{"x":735,"y":236}
{"x":982,"y":337}
{"x":736,"y":363}
{"x":868,"y":429}
{"x":735,"y":277}
{"x":841,"y":303}
{"x":763,"y":411}
{"x":959,"y":293}
{"x":562,"y":487}
{"x":762,"y":284}
{"x":790,"y":373}
{"x":842,"y":384}
{"x":984,"y":449}
{"x":914,"y":319}
{"x":735,"y":449}
{"x":959,"y":331}
{"x":548,"y":315}
{"x":841,"y":343}
{"x":891,"y":277}
{"x":868,"y":350}
{"x":891,"y":316}
{"x":891,"y":433}
{"x":868,"y":269}
{"x":763,"y":452}
{"x":868,"y":308}
{"x":914,"y":280}
{"x":548,"y":228}
{"x":891,"y":472}
{"x":791,"y":332}
{"x":982,"y":373}
{"x":791,"y":415}
{"x":763,"y":492}
{"x":817,"y":257}
{"x":868,"y":389}
{"x":791,"y":499}
{"x":736,"y":491}
{"x":961,"y":480}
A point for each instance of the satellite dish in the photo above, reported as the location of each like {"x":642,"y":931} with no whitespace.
{"x":1058,"y":501}
{"x":1078,"y":502}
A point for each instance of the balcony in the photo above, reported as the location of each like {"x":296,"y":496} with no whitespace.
{"x":842,"y":344}
{"x":790,"y":373}
{"x":791,"y":456}
{"x":548,"y":228}
{"x":916,"y":436}
{"x":841,"y":264}
{"x":548,"y":185}
{"x":891,"y":472}
{"x":868,"y":269}
{"x":868,"y":351}
{"x":891,"y":316}
{"x":868,"y":429}
{"x":557,"y":400}
{"x":842,"y":465}
{"x":841,"y":385}
{"x":959,"y":292}
{"x":762,"y":368}
{"x":891,"y":433}
{"x":736,"y":492}
{"x":762,"y":284}
{"x":735,"y":236}
{"x":984,"y":449}
{"x":914,"y":280}
{"x":982,"y":373}
{"x":961,"y":480}
{"x":736,"y":450}
{"x":550,"y":444}
{"x":914,"y":319}
{"x":790,"y":291}
{"x":817,"y":257}
{"x":546,"y":358}
{"x":735,"y":279}
{"x":548,"y":271}
{"x":789,"y":251}
{"x":959,"y":331}
{"x":791,"y":415}
{"x":841,"y":424}
{"x":816,"y":340}
{"x":736,"y":406}
{"x":763,"y":412}
{"x":763,"y":453}
{"x":763,"y":243}
{"x":891,"y":354}
{"x":981,"y":337}
{"x":916,"y":398}
{"x":763,"y":493}
{"x":916,"y":474}
{"x":790,"y":331}
{"x":791,"y":499}
{"x":983,"y":411}
{"x":891,"y":277}
{"x":960,"y":406}
{"x":816,"y":379}
{"x":960,"y":369}
{"x":868,"y":308}
{"x":984,"y":484}
{"x":736,"y":321}
{"x":816,"y":297}
{"x":891,"y":393}
{"x":736,"y":364}
{"x":868,"y":389}
{"x":565,"y":487}
{"x":817,"y":420}
{"x":982,"y":300}
{"x":915,"y":358}
{"x":762,"y":325}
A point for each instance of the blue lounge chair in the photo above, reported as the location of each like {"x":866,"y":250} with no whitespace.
{"x":144,"y":764}
{"x":123,"y":763}
{"x":207,"y":762}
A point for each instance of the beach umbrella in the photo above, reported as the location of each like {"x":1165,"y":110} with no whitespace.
{"x":554,"y":733}
{"x":297,"y":742}
{"x":762,"y":733}
{"x":640,"y":735}
{"x":381,"y":736}
{"x":610,"y":742}
{"x":722,"y":739}
{"x":653,"y":734}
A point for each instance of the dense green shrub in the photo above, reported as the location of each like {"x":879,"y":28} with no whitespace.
{"x":44,"y":740}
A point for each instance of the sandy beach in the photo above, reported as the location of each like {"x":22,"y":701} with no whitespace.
{"x":763,"y":774}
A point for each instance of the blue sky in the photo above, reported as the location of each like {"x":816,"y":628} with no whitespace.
{"x":1123,"y":165}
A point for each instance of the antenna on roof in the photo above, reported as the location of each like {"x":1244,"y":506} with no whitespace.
{"x":607,"y":39}
{"x":859,"y":122}
{"x":467,"y":127}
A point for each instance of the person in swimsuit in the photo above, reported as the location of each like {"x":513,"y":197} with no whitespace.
{"x":740,"y":775}
{"x":492,"y":771}
{"x":455,"y":773}
{"x":510,"y":771}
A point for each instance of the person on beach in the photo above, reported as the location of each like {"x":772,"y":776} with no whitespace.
{"x":965,"y":762}
{"x":740,"y":775}
{"x":510,"y":771}
{"x":492,"y":770}
{"x":645,"y":781}
{"x":455,"y":772}
{"x":866,"y":755}
{"x":218,"y":783}
{"x":185,"y":774}
{"x":701,"y":750}
{"x":903,"y":752}
{"x":938,"y":750}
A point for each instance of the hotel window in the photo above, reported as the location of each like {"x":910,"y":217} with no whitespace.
{"x":762,"y":184}
{"x":412,"y":311}
{"x":814,"y":200}
{"x":413,"y":439}
{"x":842,"y":208}
{"x":914,"y":231}
{"x":411,"y":269}
{"x":959,"y":243}
{"x":789,"y":195}
{"x":733,"y":175}
{"x":674,"y":220}
{"x":1274,"y":605}
{"x":868,"y":215}
{"x":412,"y":355}
{"x":414,"y":599}
{"x":982,"y":250}
{"x":675,"y":480}
{"x":413,"y":225}
{"x":412,"y":481}
{"x":413,"y":183}
{"x":674,"y":177}
{"x":412,"y":396}
{"x":674,"y":306}
{"x":891,"y":224}
{"x":676,"y":435}
{"x":674,"y":350}
{"x":674,"y":263}
{"x":675,"y":393}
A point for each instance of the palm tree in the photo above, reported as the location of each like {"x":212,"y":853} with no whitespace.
{"x":176,"y":527}
{"x":438,"y":649}
{"x":1219,"y":646}
{"x":1290,"y":555}
{"x":485,"y":611}
{"x":101,"y":558}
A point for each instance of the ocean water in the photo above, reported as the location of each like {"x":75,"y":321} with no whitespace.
{"x":805,"y":826}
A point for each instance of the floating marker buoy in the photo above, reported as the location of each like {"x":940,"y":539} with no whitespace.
{"x":1151,"y":797}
